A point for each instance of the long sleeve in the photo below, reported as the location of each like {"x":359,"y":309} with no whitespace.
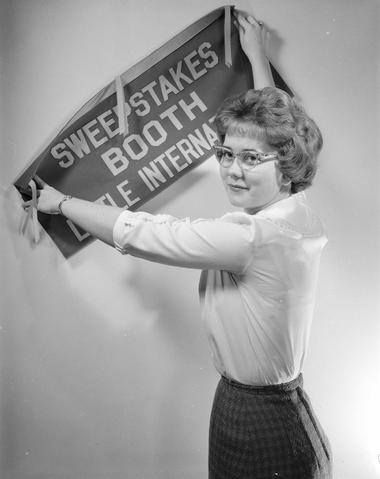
{"x":219,"y":244}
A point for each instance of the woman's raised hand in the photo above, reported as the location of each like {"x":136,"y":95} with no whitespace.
{"x":48,"y":197}
{"x":252,"y":33}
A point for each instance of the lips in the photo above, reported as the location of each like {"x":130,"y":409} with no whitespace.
{"x":237,"y":187}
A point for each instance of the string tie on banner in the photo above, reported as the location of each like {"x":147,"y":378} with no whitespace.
{"x":227,"y":36}
{"x":121,"y":113}
{"x":31,"y":213}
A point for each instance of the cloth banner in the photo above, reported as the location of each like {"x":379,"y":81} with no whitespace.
{"x":145,"y":130}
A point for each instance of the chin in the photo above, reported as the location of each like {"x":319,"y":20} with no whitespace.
{"x":234,"y":201}
{"x":239,"y":203}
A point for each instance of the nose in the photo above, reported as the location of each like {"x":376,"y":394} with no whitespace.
{"x":235,"y":169}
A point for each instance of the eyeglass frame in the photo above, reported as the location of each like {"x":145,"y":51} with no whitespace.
{"x":262,"y":157}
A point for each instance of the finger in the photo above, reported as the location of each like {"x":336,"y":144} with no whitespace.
{"x":241,"y":12}
{"x":253,"y":21}
{"x":242,"y":21}
{"x":39,"y":181}
{"x":238,"y":26}
{"x":250,"y":21}
{"x":238,"y":14}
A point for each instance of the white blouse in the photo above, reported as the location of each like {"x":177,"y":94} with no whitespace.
{"x":258,"y":281}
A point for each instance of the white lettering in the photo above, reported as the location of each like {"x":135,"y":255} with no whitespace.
{"x":178,"y":75}
{"x":160,"y":160}
{"x":154,"y":125}
{"x":154,"y":174}
{"x":199,"y":141}
{"x":197,"y":102}
{"x":140,"y":143}
{"x":211,"y":136}
{"x":106,"y":199}
{"x":175,"y":159}
{"x":186,"y":148}
{"x":192,"y":64}
{"x":91,"y":134}
{"x":169,"y":113}
{"x":62,"y":154}
{"x":107,"y":123}
{"x":115,"y":160}
{"x":166,"y":87}
{"x":136,"y":100}
{"x":208,"y":54}
{"x":151,"y":91}
{"x":145,"y":180}
{"x":78,"y":144}
{"x":127,"y":193}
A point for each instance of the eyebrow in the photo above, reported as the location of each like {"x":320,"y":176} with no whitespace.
{"x":245,"y":149}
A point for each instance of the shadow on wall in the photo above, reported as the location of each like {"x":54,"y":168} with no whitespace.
{"x":73,"y":368}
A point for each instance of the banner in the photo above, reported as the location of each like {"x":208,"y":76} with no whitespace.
{"x":145,"y":130}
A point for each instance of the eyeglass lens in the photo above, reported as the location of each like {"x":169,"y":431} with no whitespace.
{"x":226,"y":157}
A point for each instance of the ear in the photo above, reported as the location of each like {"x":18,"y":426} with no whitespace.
{"x":283,"y":181}
{"x":286,"y":185}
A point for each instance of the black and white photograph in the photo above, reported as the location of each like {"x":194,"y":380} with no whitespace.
{"x":190,"y":239}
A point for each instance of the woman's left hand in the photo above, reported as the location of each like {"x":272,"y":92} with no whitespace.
{"x":252,"y":35}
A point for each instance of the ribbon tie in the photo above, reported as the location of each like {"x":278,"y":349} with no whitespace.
{"x":227,"y":36}
{"x":31,"y":212}
{"x":121,"y":112}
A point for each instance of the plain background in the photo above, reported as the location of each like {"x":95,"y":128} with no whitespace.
{"x":105,"y":368}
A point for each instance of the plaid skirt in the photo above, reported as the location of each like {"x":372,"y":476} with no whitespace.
{"x":266,"y":432}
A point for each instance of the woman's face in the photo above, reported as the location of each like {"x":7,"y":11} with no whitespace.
{"x":255,"y":189}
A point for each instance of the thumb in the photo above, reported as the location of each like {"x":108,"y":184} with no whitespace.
{"x":40,"y":182}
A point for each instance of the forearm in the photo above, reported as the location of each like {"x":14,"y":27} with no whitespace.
{"x":261,"y":71}
{"x":96,"y":219}
{"x":253,"y":38}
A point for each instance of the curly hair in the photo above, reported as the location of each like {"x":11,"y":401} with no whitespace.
{"x":273,"y":116}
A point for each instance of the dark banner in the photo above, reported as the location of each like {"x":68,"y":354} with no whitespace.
{"x":170,"y":100}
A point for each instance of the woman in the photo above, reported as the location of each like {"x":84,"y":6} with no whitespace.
{"x":259,"y":274}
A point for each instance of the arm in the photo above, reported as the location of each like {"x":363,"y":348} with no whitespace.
{"x":253,"y":36}
{"x":203,"y":244}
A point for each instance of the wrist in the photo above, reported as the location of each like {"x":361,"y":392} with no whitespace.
{"x":257,"y":57}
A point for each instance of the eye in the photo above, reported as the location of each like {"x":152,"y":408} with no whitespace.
{"x":251,"y":158}
{"x":227,"y":154}
{"x":223,"y":154}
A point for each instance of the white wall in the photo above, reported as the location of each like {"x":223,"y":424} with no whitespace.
{"x":106,"y":371}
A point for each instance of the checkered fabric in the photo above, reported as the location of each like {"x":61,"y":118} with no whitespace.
{"x":266,"y":432}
